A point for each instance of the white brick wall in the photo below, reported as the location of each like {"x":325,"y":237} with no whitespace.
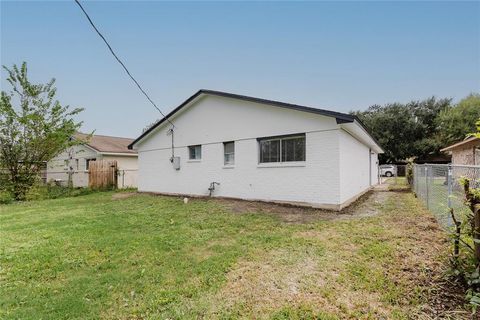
{"x":355,"y":167}
{"x":314,"y":181}
{"x":213,"y":120}
{"x":374,"y":170}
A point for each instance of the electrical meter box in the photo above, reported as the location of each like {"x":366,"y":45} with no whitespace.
{"x":176,"y":163}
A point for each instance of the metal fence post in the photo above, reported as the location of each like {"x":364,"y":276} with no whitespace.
{"x":450,"y":184}
{"x":415,"y":177}
{"x":426,"y":187}
{"x":395,"y":174}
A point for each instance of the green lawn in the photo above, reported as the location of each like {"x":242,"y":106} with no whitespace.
{"x":150,"y":257}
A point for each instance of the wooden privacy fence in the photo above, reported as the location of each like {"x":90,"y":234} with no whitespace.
{"x":102,"y":174}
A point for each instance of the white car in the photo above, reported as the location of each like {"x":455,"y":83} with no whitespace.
{"x":387,"y":170}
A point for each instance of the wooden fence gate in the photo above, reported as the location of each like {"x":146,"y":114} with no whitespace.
{"x":102,"y":174}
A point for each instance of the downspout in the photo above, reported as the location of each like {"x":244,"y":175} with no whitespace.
{"x":370,"y":166}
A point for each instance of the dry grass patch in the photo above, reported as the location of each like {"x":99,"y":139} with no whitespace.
{"x":123,"y":195}
{"x":377,"y":267}
{"x":284,"y":279}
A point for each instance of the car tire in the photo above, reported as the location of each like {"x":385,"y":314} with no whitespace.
{"x":388,"y":174}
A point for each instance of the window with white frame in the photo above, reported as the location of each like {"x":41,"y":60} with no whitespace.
{"x":229,"y":153}
{"x":282,"y":149}
{"x":195,"y":152}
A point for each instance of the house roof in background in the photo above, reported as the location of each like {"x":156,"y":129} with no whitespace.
{"x":106,"y":144}
{"x":340,"y":117}
{"x":461,"y":144}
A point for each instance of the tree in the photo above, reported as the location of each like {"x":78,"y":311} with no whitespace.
{"x":455,"y":123}
{"x":34,"y":128}
{"x":405,"y":130}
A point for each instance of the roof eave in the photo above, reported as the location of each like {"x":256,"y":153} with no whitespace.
{"x":122,"y":154}
{"x":339,"y":117}
{"x":153,"y":127}
{"x":358,"y":130}
{"x":460,"y":144}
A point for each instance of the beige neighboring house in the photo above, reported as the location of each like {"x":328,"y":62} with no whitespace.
{"x":466,"y":152}
{"x":77,"y":159}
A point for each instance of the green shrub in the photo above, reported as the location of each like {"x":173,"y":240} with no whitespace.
{"x":36,"y":192}
{"x":52,"y":191}
{"x":55,"y":192}
{"x":40,"y":191}
{"x":5,"y":197}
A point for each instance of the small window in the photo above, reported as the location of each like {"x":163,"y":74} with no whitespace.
{"x":87,"y":163}
{"x":282,"y":149}
{"x":65,"y":163}
{"x":76,"y":164}
{"x":229,"y":153}
{"x":195,"y":152}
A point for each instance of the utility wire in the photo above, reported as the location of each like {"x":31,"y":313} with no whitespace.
{"x":121,"y":63}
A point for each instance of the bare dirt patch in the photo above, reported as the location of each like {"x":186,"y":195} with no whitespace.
{"x":123,"y":195}
{"x":366,"y":206}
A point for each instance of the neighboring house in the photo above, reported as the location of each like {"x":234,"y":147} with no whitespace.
{"x":258,"y":149}
{"x":466,"y":152}
{"x":432,"y":158}
{"x":77,"y":159}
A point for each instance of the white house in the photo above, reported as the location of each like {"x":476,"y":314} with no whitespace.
{"x":77,"y":158}
{"x":258,"y":149}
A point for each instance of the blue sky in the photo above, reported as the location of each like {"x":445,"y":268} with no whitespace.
{"x":333,"y":55}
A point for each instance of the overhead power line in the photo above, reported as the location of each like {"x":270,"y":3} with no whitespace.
{"x":121,"y":63}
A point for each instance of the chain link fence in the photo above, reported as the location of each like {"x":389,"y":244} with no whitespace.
{"x":126,"y":178}
{"x":438,"y":187}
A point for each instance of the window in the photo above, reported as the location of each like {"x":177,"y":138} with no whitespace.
{"x":282,"y":149}
{"x":65,"y":164}
{"x":293,"y":149}
{"x":270,"y":150}
{"x":76,"y":164}
{"x":229,"y":153}
{"x":87,"y":163}
{"x":195,"y":152}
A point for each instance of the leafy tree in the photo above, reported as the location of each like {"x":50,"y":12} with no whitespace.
{"x":455,"y":123}
{"x":405,"y":130}
{"x":34,"y":128}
